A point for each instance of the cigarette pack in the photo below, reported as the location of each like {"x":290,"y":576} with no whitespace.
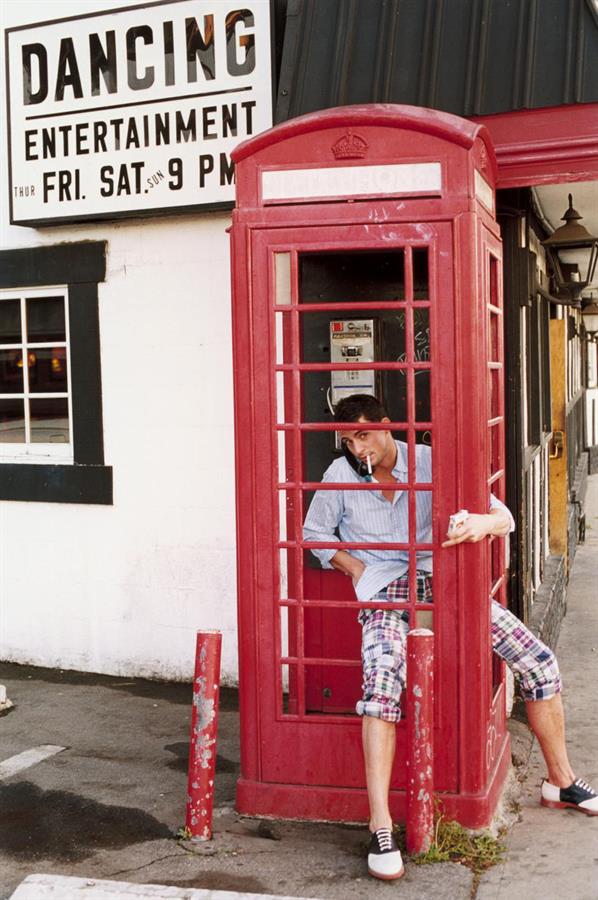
{"x":457,"y":519}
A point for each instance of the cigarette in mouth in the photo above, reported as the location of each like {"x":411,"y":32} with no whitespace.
{"x":369,"y":464}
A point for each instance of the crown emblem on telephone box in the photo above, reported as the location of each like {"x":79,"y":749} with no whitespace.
{"x":350,"y":146}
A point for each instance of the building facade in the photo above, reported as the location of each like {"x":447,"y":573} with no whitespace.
{"x":117,"y":495}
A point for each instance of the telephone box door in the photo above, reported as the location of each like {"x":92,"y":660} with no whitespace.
{"x":362,"y":309}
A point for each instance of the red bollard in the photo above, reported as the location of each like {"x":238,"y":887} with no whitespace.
{"x":420,"y":740}
{"x":204,"y":727}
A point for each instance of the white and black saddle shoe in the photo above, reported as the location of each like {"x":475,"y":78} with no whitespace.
{"x":578,"y":795}
{"x":384,"y":857}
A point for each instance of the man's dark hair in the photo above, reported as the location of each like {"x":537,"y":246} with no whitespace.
{"x":352,"y":408}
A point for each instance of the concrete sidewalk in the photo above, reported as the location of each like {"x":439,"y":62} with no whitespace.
{"x":102,"y":795}
{"x":554,"y":853}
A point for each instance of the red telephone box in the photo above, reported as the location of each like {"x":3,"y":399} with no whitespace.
{"x":366,"y":258}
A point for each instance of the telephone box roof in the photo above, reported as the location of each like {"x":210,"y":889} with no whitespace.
{"x":416,"y":118}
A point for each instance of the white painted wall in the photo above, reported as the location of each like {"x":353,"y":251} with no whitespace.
{"x":122,"y":589}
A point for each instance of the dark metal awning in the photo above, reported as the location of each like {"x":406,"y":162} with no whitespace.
{"x":469,"y":57}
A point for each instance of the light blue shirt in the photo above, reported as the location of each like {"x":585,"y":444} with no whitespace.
{"x":365,"y":516}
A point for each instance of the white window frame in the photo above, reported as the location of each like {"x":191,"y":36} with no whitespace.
{"x":537,"y":494}
{"x":28,"y":451}
{"x":524,"y":395}
{"x":592,"y":363}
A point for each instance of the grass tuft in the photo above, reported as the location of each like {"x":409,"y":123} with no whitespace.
{"x":453,"y":843}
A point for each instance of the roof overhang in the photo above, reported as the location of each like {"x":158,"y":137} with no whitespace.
{"x":545,"y":146}
{"x":555,"y":152}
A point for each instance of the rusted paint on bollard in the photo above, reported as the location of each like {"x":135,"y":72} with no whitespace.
{"x":204,"y":729}
{"x":420,"y":740}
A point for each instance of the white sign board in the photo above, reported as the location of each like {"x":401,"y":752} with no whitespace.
{"x":344,"y":181}
{"x":134,"y":111}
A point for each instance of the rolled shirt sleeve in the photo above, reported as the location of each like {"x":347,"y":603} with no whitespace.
{"x":323,"y":517}
{"x":495,"y":503}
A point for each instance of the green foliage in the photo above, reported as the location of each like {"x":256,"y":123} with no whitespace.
{"x":453,"y":843}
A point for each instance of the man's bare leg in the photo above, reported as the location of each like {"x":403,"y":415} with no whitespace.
{"x":379,"y":738}
{"x":547,"y":720}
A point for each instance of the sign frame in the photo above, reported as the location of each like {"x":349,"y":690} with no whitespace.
{"x":120,"y":214}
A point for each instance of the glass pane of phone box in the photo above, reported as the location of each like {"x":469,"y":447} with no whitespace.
{"x":365,"y":335}
{"x":360,"y":275}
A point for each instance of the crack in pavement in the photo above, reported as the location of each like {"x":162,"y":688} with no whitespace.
{"x":145,"y":865}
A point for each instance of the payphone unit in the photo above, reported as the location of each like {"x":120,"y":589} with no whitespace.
{"x":352,"y":340}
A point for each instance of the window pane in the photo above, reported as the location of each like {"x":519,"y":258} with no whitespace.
{"x":421,"y":334}
{"x":333,"y":690}
{"x":284,"y":346}
{"x":422,"y":396}
{"x":494,"y":338}
{"x":283,"y":583}
{"x":495,"y":393}
{"x":422,"y":437}
{"x":494,"y":449}
{"x":45,"y":319}
{"x":11,"y":372}
{"x":47,"y":370}
{"x":12,"y":421}
{"x":420,"y":273}
{"x":289,"y":502}
{"x":282,"y":269}
{"x":284,"y":397}
{"x":287,"y":626}
{"x":363,"y":335}
{"x":423,"y":516}
{"x":10,"y":321}
{"x":318,"y":390}
{"x":344,"y":277}
{"x":288,"y":682}
{"x":497,"y":563}
{"x":49,"y":420}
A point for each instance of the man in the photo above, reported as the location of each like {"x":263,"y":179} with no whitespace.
{"x":380,"y":517}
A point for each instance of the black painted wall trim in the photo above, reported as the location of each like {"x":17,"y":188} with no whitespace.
{"x":84,"y":325}
{"x":54,"y":264}
{"x":56,"y":484}
{"x":80,"y":266}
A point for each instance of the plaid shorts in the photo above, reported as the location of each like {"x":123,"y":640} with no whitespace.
{"x":525,"y":654}
{"x":398,"y":592}
{"x":384,"y":657}
{"x":384,"y":646}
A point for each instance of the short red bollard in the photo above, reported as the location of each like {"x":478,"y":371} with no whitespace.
{"x":204,"y":727}
{"x":420,"y":740}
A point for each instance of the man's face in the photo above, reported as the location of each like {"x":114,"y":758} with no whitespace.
{"x":377,"y":443}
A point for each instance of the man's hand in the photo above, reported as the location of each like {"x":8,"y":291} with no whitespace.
{"x":476,"y":527}
{"x":348,"y":565}
{"x":358,"y":571}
